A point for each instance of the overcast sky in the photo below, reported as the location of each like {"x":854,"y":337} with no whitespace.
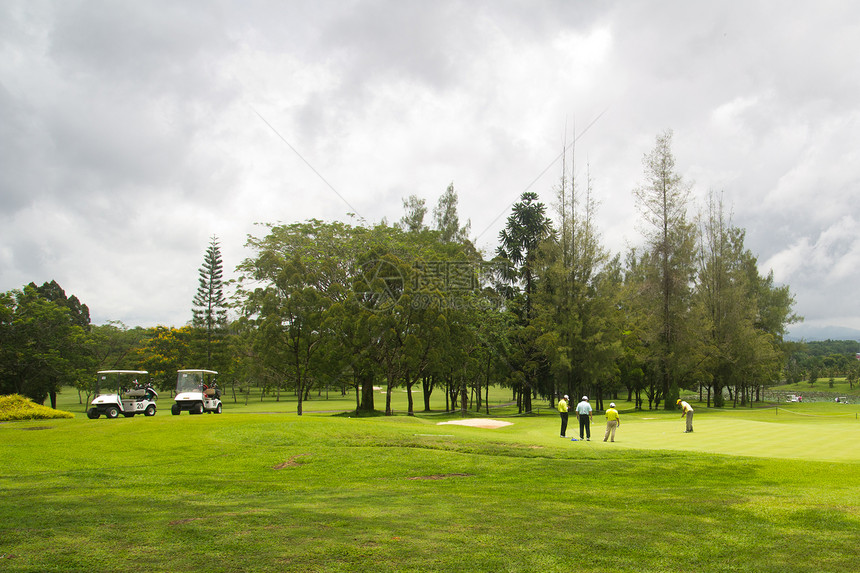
{"x":132,"y":132}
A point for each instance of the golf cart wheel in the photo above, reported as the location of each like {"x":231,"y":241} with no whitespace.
{"x":218,"y":409}
{"x":150,"y":410}
{"x":197,"y":408}
{"x":93,"y":414}
{"x":112,"y":412}
{"x":175,"y":409}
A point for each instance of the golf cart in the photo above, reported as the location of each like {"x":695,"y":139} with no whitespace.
{"x":197,"y":392}
{"x":126,"y":392}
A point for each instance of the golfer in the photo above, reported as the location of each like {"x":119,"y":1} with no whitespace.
{"x":613,"y":421}
{"x":563,"y":407}
{"x":583,"y":409}
{"x":686,"y":410}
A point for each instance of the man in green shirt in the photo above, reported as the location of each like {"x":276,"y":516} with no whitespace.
{"x":613,"y":421}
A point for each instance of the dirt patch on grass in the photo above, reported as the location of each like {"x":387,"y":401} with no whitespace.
{"x":290,"y":463}
{"x":478,"y":423}
{"x":441,"y":476}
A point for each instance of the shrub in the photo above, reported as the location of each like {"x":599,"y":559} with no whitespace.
{"x":16,"y":407}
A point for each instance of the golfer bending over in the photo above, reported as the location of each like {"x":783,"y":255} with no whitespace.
{"x":686,"y":410}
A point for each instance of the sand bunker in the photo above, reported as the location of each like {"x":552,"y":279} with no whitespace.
{"x":478,"y":423}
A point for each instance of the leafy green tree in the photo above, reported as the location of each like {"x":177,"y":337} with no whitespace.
{"x":329,"y":286}
{"x":43,"y":346}
{"x":79,"y":313}
{"x":165,"y":350}
{"x":421,"y":316}
{"x":740,"y":327}
{"x":299,"y":272}
{"x":793,"y":371}
{"x":578,"y":298}
{"x":210,"y":305}
{"x":413,"y":219}
{"x":851,"y":375}
{"x":725,"y":309}
{"x":331,"y":302}
{"x":8,"y":343}
{"x":291,"y":335}
{"x":447,"y":220}
{"x":636,"y":307}
{"x":115,"y":347}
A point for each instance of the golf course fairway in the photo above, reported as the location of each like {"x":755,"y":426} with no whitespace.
{"x":760,"y":490}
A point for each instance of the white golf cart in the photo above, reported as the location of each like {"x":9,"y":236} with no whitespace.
{"x":126,"y":392}
{"x":197,"y":392}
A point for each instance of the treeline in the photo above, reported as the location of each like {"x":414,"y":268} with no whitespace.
{"x":47,"y":343}
{"x":815,"y":360}
{"x":550,"y":312}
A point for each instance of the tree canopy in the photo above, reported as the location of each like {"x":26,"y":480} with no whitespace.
{"x":551,"y":311}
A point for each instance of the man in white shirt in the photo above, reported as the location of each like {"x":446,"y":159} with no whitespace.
{"x":584,"y":411}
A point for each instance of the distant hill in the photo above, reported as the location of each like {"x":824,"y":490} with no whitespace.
{"x":802,"y":332}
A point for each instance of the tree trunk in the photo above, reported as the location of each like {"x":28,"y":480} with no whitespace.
{"x":719,"y":400}
{"x":427,"y":389}
{"x":410,"y":409}
{"x":357,"y":384}
{"x":388,"y":387}
{"x":366,"y":380}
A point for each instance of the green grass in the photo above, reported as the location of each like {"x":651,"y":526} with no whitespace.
{"x":750,"y":490}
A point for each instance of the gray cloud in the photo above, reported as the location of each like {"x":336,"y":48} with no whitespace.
{"x":129,"y":132}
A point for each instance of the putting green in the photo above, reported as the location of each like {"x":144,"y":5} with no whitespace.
{"x":764,"y":434}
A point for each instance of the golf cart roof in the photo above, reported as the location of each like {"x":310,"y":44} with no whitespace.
{"x":122,"y":372}
{"x":198,"y":370}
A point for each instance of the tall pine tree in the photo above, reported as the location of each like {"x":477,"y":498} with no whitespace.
{"x":662,"y":200}
{"x":210,"y":305}
{"x":527,"y":227}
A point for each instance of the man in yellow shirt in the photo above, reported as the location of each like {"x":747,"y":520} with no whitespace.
{"x":563,"y":407}
{"x":613,"y":421}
